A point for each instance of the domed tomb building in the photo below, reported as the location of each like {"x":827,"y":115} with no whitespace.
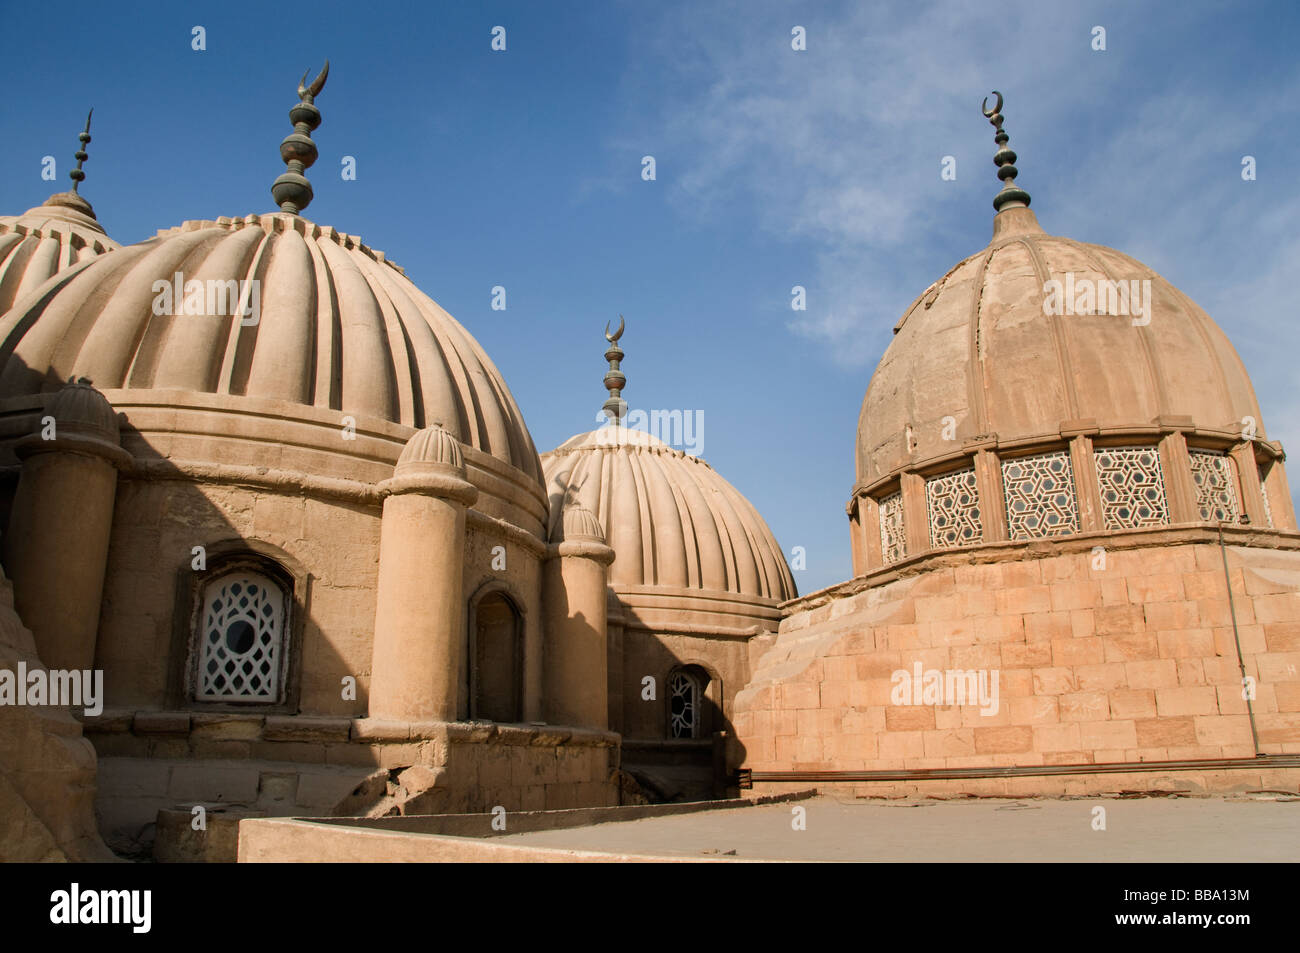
{"x":1061,"y":464}
{"x":47,"y":768}
{"x":293,"y":513}
{"x":695,"y":590}
{"x":59,"y":233}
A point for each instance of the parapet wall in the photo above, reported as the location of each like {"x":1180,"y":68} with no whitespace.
{"x":241,"y":765}
{"x":1127,"y":655}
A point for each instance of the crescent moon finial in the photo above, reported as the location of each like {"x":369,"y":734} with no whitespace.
{"x":1011,"y":196}
{"x":613,"y":338}
{"x":316,"y":85}
{"x":615,"y":380}
{"x":291,"y":191}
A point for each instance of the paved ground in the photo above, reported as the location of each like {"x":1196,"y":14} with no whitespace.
{"x":1245,"y":828}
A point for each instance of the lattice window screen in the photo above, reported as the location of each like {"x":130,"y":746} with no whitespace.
{"x":1263,"y":491}
{"x":893,"y":544}
{"x":1040,"y":496}
{"x":1216,"y":493}
{"x":683,"y":706}
{"x":1132,"y":487}
{"x":241,"y":639}
{"x":953,"y":503}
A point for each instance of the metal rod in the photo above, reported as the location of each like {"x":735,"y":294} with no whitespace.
{"x":1236,"y":637}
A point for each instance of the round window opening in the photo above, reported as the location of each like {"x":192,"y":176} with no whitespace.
{"x":239,"y":636}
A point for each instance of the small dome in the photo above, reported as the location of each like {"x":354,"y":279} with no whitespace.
{"x":274,"y":307}
{"x":79,"y":408}
{"x":577,"y":522}
{"x":670,"y":519}
{"x":431,"y":445}
{"x":978,"y":347}
{"x":45,"y":240}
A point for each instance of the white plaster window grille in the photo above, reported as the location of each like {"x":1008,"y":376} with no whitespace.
{"x":683,"y":706}
{"x":1040,"y":496}
{"x":893,"y":544}
{"x":1132,"y":487}
{"x":1263,"y":492}
{"x":1216,"y":493}
{"x":241,"y":639}
{"x":953,"y":503}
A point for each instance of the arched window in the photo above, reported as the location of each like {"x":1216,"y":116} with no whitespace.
{"x":496,"y":660}
{"x":241,"y":645}
{"x":685,"y":700}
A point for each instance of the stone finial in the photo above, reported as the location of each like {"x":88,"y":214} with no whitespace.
{"x":1011,"y":196}
{"x":615,"y":407}
{"x":291,"y":191}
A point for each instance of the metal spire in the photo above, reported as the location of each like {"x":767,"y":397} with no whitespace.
{"x":1011,"y":196}
{"x":616,"y":407}
{"x":76,"y":174}
{"x":291,"y":191}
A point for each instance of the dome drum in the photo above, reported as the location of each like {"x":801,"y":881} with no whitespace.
{"x":1082,"y":480}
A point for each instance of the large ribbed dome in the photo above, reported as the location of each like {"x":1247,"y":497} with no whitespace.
{"x":340,"y":328}
{"x":43,"y":241}
{"x":671,"y":520}
{"x":978,"y":348}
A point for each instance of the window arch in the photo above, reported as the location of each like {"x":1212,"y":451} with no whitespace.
{"x":240,"y":633}
{"x":496,"y":659}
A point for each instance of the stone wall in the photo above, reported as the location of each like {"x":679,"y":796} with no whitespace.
{"x":243,"y":765}
{"x":1132,"y":662}
{"x":47,"y":769}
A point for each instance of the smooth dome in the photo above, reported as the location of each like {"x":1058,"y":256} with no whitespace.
{"x":45,"y":240}
{"x":978,"y":348}
{"x":340,"y":328}
{"x":670,"y":519}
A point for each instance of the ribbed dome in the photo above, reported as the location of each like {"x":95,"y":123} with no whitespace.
{"x":670,"y":519}
{"x":577,"y":522}
{"x":80,"y":408}
{"x":432,"y":445}
{"x":43,"y":241}
{"x":340,"y":328}
{"x":977,"y":347}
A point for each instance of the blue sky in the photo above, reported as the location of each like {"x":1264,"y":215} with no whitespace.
{"x":820,"y":168}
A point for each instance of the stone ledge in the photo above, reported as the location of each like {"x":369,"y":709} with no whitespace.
{"x":161,"y":723}
{"x":306,"y":728}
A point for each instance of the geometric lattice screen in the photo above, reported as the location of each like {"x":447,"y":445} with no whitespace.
{"x":1132,"y":487}
{"x":1216,"y":493}
{"x":683,"y":706}
{"x":241,"y":639}
{"x":1263,"y":492}
{"x":1040,"y":496}
{"x":954,"y":508}
{"x":893,"y":544}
